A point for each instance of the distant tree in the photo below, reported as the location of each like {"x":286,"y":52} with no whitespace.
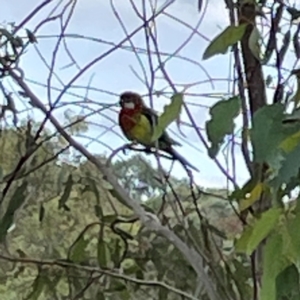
{"x":137,"y":175}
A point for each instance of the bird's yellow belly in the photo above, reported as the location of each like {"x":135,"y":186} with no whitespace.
{"x":142,"y":132}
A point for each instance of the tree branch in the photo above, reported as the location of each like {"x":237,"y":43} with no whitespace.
{"x":150,"y":221}
{"x":89,"y":269}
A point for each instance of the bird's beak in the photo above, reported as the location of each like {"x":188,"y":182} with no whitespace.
{"x":129,"y":105}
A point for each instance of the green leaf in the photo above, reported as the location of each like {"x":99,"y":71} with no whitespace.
{"x":221,"y":122}
{"x":78,"y":250}
{"x":289,"y":168}
{"x":41,"y":212}
{"x":267,"y":128}
{"x":103,"y":254}
{"x":287,"y":284}
{"x":273,"y":264}
{"x":255,"y":234}
{"x":253,"y":196}
{"x":60,"y":179}
{"x":170,"y":114}
{"x":293,"y":225}
{"x":241,"y":193}
{"x":288,"y":249}
{"x":14,"y":204}
{"x":268,"y":133}
{"x":31,"y":37}
{"x":227,"y":38}
{"x":290,"y":143}
{"x":98,"y":211}
{"x":67,"y":192}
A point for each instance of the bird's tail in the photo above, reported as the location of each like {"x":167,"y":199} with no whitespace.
{"x":180,"y":158}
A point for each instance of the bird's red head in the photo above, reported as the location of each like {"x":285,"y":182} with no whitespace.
{"x":131,"y":101}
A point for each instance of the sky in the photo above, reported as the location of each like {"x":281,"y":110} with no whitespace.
{"x":121,"y":70}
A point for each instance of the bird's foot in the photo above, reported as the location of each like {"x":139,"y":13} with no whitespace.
{"x":133,"y":145}
{"x":128,"y":146}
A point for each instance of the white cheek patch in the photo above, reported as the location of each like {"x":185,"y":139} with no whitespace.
{"x":129,"y":105}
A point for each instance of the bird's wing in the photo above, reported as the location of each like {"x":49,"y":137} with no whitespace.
{"x":152,"y":116}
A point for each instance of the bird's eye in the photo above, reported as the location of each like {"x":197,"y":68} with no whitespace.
{"x":121,"y":101}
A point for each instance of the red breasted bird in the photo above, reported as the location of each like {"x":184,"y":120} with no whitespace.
{"x":137,"y":122}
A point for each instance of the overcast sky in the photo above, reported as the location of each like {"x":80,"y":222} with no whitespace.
{"x":114,"y":74}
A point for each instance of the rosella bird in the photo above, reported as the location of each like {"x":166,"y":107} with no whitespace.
{"x":137,"y":122}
